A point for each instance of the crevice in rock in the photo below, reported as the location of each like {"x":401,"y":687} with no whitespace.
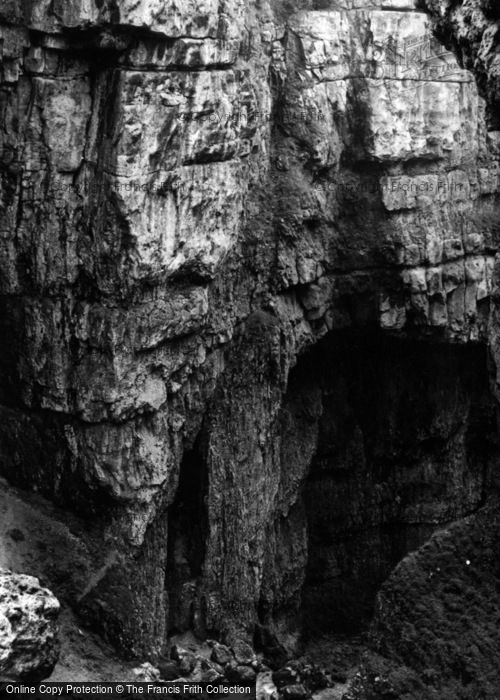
{"x":187,"y":533}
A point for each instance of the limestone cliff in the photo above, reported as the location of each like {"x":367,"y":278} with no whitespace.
{"x":247,"y":300}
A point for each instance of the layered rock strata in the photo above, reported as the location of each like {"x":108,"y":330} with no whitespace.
{"x":192,"y":198}
{"x":433,"y":632}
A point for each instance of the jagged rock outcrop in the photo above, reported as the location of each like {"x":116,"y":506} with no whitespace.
{"x":471,"y":28}
{"x":193,"y":196}
{"x":29,"y":645}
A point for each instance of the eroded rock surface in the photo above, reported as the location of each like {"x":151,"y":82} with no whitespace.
{"x":29,"y":645}
{"x":192,"y":197}
{"x":471,"y":28}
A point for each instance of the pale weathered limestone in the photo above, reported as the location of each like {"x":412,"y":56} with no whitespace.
{"x":29,"y":647}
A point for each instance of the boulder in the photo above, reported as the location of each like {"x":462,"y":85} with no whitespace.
{"x":221,"y":654}
{"x":29,"y":645}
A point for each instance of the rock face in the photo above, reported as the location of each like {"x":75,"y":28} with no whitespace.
{"x":470,"y":27}
{"x":221,"y":225}
{"x":29,"y":647}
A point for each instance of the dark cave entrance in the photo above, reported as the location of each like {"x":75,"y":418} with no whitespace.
{"x":187,"y":533}
{"x":405,"y":444}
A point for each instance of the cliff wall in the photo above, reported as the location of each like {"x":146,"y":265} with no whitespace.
{"x":237,"y":240}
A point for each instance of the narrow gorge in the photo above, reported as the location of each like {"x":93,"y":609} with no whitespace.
{"x":249,"y":305}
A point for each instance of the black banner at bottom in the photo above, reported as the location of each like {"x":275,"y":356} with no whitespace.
{"x":133,"y":690}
